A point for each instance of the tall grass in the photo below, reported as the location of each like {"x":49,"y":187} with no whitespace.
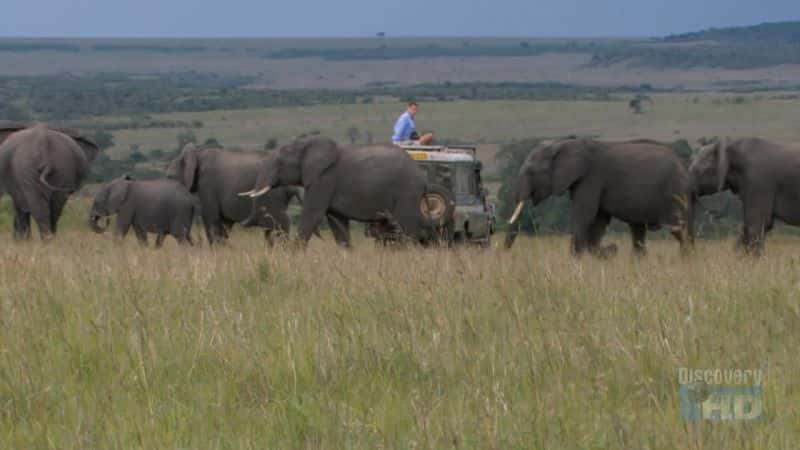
{"x":106,"y":345}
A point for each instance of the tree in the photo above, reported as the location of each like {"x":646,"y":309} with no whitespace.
{"x":135,"y":155}
{"x":637,"y":103}
{"x":354,"y":134}
{"x":103,"y":139}
{"x":271,"y":144}
{"x":212,"y":142}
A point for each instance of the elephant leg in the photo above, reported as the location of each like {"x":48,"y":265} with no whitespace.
{"x":159,"y":239}
{"x":757,"y":220}
{"x":22,"y":224}
{"x":340,"y":227}
{"x":182,"y":233}
{"x":186,"y":237}
{"x":584,"y":214}
{"x":597,"y":230}
{"x":212,"y":222}
{"x":141,"y":235}
{"x":209,"y":232}
{"x":269,"y":237}
{"x":638,"y":235}
{"x":226,"y":228}
{"x":57,"y":202}
{"x":315,"y":205}
{"x":39,"y":207}
{"x":595,"y":235}
{"x":276,"y":227}
{"x":123,"y":225}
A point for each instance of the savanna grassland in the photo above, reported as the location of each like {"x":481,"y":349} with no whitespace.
{"x":110,"y":345}
{"x":669,"y":117}
{"x":115,"y":346}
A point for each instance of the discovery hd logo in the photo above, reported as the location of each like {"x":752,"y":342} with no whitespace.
{"x":721,"y":394}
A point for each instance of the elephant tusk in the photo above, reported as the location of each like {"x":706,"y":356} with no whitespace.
{"x":516,"y":214}
{"x":260,"y":192}
{"x":246,"y":194}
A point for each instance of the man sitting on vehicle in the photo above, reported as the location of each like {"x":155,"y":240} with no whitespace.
{"x":405,"y":130}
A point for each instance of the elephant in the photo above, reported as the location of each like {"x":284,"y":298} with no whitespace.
{"x":40,"y":167}
{"x":764,"y":175}
{"x":216,"y":176}
{"x":642,"y":183}
{"x":156,"y":206}
{"x":377,"y":183}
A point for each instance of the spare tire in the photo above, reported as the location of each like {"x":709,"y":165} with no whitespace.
{"x":438,"y":204}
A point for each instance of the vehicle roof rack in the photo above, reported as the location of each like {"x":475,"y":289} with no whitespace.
{"x":441,"y":148}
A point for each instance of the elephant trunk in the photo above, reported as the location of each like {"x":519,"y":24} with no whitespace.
{"x":94,"y":223}
{"x":254,"y":219}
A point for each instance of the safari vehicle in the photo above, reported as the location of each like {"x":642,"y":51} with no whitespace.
{"x":457,"y":168}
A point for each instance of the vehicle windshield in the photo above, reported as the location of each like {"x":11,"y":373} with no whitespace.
{"x":458,"y":177}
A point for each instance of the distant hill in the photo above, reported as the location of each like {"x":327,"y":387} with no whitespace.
{"x":758,"y":46}
{"x":776,"y":32}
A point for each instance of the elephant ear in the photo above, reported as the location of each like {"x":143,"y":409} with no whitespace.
{"x":318,"y":155}
{"x":569,"y":164}
{"x":118,"y":193}
{"x":89,"y":147}
{"x":189,"y":156}
{"x":723,"y":163}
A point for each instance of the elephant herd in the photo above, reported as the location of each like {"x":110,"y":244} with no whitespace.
{"x":41,"y":166}
{"x":642,"y":183}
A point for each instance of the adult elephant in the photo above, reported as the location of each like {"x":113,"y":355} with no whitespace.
{"x":379,"y":183}
{"x":642,"y":183}
{"x":40,"y":167}
{"x":216,"y":176}
{"x":764,"y":175}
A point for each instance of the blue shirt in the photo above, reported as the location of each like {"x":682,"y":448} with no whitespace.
{"x":403,"y":128}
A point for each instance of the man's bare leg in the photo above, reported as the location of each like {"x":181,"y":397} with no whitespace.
{"x":426,"y":139}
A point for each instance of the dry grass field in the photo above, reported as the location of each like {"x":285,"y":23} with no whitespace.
{"x":105,"y":345}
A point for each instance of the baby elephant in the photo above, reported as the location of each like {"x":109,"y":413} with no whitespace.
{"x":155,"y":206}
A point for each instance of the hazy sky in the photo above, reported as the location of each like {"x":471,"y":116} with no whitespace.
{"x":256,"y":18}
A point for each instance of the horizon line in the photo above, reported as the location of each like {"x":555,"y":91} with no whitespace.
{"x":375,"y":36}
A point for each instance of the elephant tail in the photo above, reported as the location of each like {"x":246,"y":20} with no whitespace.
{"x":43,"y":179}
